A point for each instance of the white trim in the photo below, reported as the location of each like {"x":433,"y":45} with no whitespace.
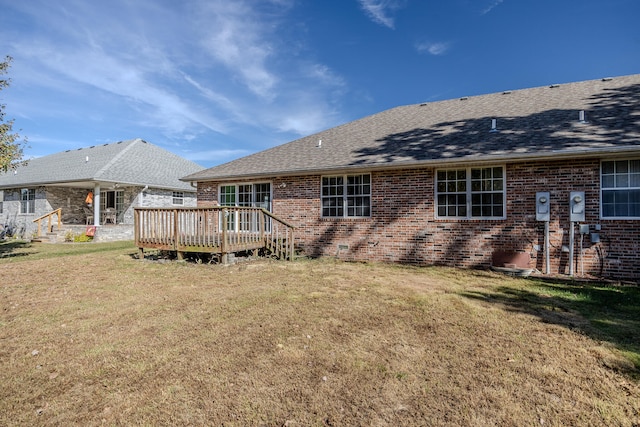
{"x":180,"y":197}
{"x":30,"y":202}
{"x":602,"y":189}
{"x":469,"y":193}
{"x":253,"y":191}
{"x":345,"y":196}
{"x":237,"y":221}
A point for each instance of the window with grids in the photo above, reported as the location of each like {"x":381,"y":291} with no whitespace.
{"x":346,"y":196}
{"x":28,"y":201}
{"x":227,"y":195}
{"x":620,"y":187}
{"x":471,"y":193}
{"x":256,"y":195}
{"x":178,"y":198}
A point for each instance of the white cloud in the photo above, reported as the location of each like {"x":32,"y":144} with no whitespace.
{"x":437,"y":48}
{"x":217,"y":156}
{"x":237,"y":37}
{"x":493,"y":5}
{"x":223,"y":67}
{"x":304,"y":122}
{"x":380,"y":10}
{"x":92,"y":66}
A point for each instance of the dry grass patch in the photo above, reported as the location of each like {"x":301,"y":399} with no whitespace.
{"x":101,"y":338}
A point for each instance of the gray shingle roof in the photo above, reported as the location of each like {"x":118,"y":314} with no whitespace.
{"x":532,"y":123}
{"x":134,"y":162}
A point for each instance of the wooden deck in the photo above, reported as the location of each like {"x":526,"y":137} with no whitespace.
{"x":216,"y":230}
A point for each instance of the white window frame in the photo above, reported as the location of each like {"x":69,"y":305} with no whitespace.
{"x":30,"y":203}
{"x":618,"y":183}
{"x":262,"y":204}
{"x":118,"y":201}
{"x":347,"y":202}
{"x":465,"y":191}
{"x":239,"y":223}
{"x":177,"y":198}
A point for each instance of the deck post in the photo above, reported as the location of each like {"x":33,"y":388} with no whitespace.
{"x":140,"y":253}
{"x":262,"y":226}
{"x":292,"y":247}
{"x":224,"y":243}
{"x":176,"y":231}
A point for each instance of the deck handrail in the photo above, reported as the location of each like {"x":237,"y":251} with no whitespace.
{"x":49,"y":223}
{"x":217,"y":229}
{"x":270,"y":215}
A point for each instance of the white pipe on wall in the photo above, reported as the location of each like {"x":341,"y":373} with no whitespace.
{"x":547,"y":258}
{"x":571,"y":244}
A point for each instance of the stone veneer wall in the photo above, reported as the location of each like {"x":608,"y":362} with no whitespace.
{"x":403,"y":227}
{"x":72,"y":201}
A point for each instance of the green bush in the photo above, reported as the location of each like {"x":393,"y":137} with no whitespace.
{"x":82,"y":238}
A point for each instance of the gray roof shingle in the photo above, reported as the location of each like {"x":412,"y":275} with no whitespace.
{"x":532,"y":123}
{"x":134,"y":162}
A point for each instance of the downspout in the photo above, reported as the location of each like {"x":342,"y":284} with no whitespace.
{"x":146,"y":187}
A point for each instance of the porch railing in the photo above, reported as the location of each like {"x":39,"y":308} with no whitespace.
{"x":49,"y":217}
{"x":219,"y":229}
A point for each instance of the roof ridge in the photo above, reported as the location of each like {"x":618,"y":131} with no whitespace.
{"x":116,"y":157}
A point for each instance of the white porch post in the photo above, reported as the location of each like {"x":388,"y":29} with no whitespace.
{"x":96,"y":204}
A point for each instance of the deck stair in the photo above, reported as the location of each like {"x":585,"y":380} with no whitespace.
{"x":49,"y":226}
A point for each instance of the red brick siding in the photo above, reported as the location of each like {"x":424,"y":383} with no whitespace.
{"x":403,"y":228}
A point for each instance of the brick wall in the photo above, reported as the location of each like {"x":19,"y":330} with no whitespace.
{"x":403,"y":228}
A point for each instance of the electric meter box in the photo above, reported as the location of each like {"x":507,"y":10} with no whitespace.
{"x":576,"y":206}
{"x":542,"y":206}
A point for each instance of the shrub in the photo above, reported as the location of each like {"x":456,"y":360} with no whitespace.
{"x":82,"y":238}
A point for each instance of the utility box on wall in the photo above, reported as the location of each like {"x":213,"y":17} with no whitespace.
{"x":576,"y":206}
{"x":542,"y":206}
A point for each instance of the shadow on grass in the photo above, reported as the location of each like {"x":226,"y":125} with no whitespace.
{"x":605,"y":313}
{"x":12,"y":248}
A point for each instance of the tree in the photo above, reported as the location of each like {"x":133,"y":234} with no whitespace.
{"x":10,"y":145}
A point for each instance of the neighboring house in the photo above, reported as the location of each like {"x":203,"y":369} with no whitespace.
{"x":458,"y":182}
{"x":114,"y":177}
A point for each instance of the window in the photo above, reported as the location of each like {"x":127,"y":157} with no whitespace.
{"x":28,"y":201}
{"x":178,"y":198}
{"x":228,"y":195}
{"x":254,"y":195}
{"x":250,"y":195}
{"x":112,"y":200}
{"x":346,"y":196}
{"x":471,"y":193}
{"x":620,"y":187}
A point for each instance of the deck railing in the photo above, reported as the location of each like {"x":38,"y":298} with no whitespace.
{"x":221,"y":230}
{"x":49,"y":217}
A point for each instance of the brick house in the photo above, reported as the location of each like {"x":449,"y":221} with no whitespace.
{"x":547,"y":176}
{"x":114,"y":177}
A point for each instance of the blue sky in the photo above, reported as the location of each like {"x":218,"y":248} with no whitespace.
{"x":214,"y":80}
